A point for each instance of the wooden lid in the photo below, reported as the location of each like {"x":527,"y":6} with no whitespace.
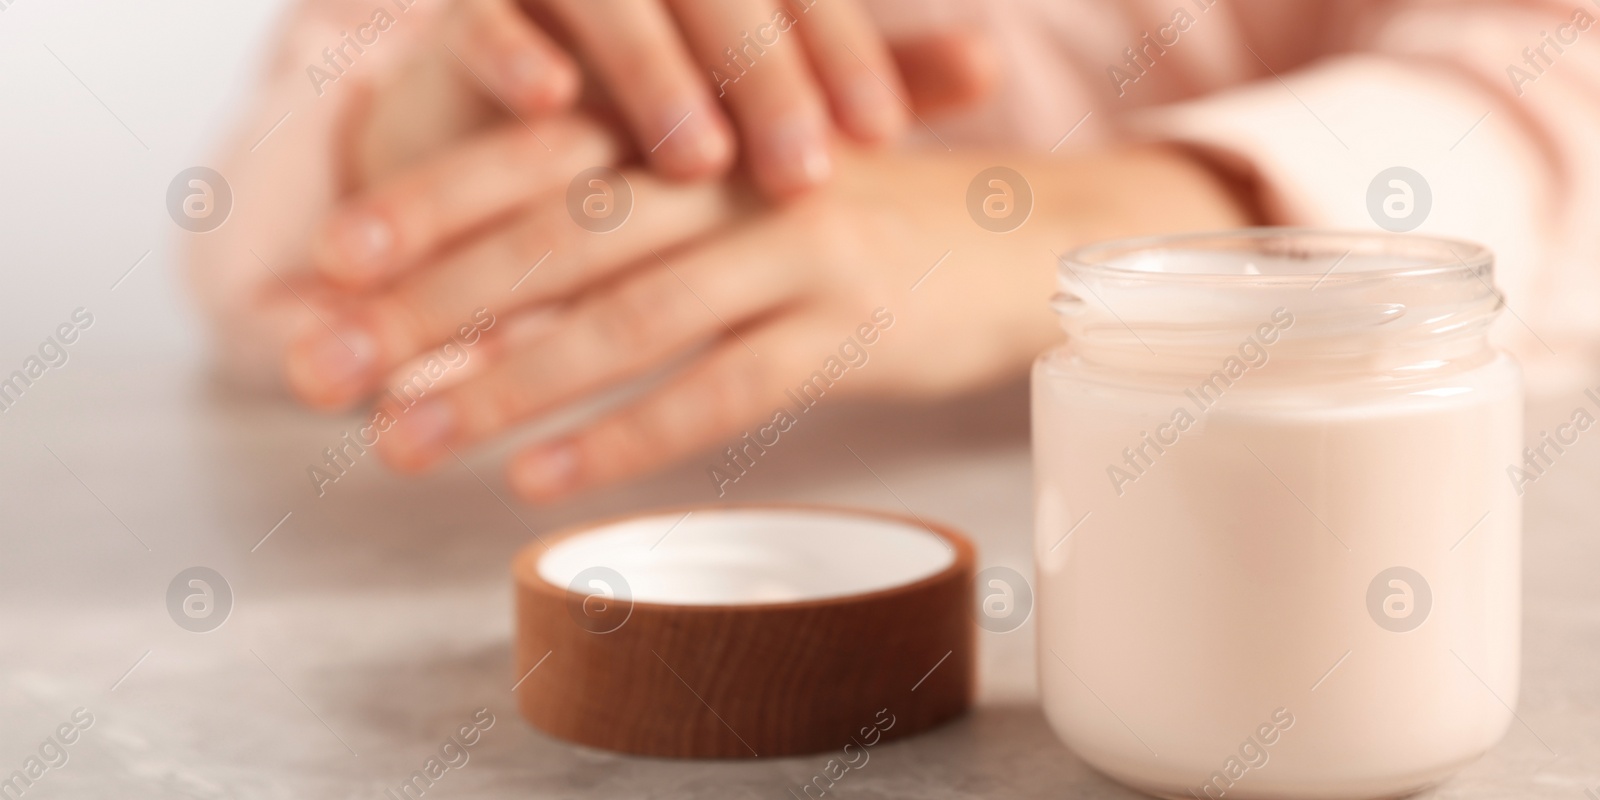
{"x":744,"y":631}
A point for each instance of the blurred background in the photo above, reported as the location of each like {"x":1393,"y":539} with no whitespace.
{"x":105,"y":103}
{"x":364,"y":627}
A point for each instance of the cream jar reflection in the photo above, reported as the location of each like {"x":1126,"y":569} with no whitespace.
{"x":1278,"y":555}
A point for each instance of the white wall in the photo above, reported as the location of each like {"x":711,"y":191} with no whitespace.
{"x":80,"y":197}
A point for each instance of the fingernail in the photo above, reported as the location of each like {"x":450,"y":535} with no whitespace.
{"x":525,"y":326}
{"x":332,"y":364}
{"x":545,"y":472}
{"x":694,"y":138}
{"x":524,"y":70}
{"x":363,"y":242}
{"x":560,"y":87}
{"x":419,"y":432}
{"x":800,"y":153}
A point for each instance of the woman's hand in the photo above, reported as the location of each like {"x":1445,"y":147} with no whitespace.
{"x":679,"y":69}
{"x":281,"y":266}
{"x":757,"y":307}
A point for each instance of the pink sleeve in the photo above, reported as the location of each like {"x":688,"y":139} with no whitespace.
{"x":1501,"y":121}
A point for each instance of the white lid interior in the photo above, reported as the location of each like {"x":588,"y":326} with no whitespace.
{"x":750,"y":556}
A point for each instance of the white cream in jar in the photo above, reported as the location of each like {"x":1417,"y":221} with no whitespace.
{"x":1278,"y":554}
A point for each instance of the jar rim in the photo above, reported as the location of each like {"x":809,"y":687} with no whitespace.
{"x":1430,"y":256}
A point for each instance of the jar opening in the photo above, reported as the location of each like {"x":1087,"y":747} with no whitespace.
{"x":1354,"y":301}
{"x":1280,"y":256}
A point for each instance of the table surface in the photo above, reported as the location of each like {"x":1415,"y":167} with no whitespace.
{"x":374,"y":621}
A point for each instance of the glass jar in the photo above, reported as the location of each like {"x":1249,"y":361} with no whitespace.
{"x":1278,"y":552}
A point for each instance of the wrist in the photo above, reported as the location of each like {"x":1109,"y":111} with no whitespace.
{"x":1149,"y":190}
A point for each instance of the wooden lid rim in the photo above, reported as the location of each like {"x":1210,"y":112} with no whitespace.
{"x":525,"y":564}
{"x":785,"y":678}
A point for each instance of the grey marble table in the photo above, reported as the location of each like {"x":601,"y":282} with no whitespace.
{"x":374,"y":622}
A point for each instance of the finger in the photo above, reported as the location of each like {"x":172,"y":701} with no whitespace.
{"x":506,"y":52}
{"x":543,"y":256}
{"x":613,"y":335}
{"x":946,"y":71}
{"x":857,"y":72}
{"x":635,"y":47}
{"x":469,"y":356}
{"x":716,"y":399}
{"x":759,"y":65}
{"x":391,"y":227}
